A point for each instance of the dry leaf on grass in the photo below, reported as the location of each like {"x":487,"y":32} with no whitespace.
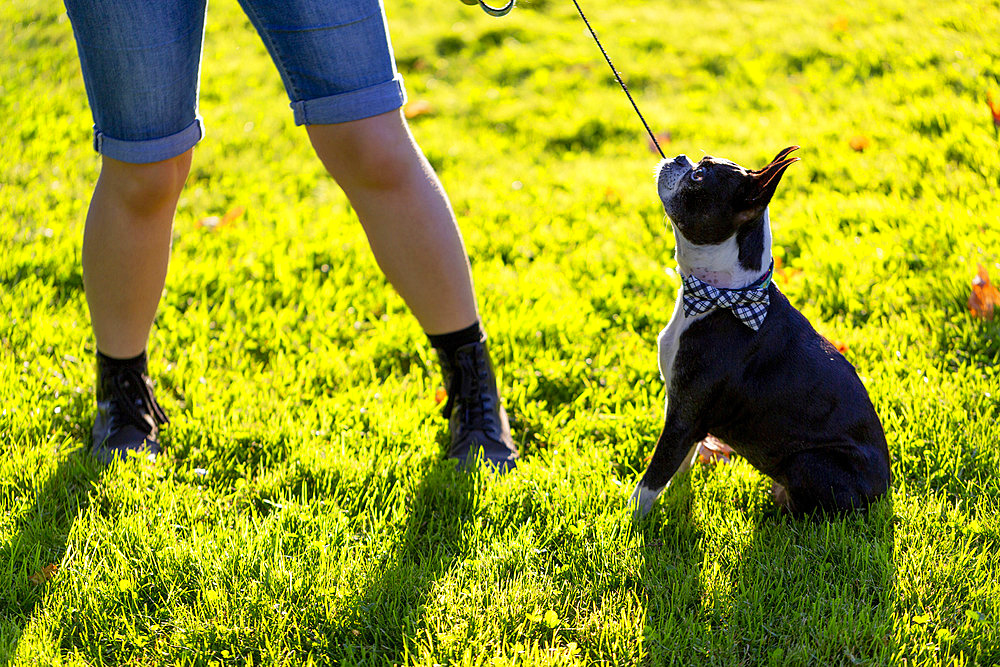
{"x":662,"y":137}
{"x":994,"y":110}
{"x":859,"y":142}
{"x":215,"y":222}
{"x":418,"y":108}
{"x":784,"y":273}
{"x":984,"y":297}
{"x":713,"y":450}
{"x":440,"y":395}
{"x":43,"y":575}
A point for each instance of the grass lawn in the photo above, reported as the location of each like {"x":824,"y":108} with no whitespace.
{"x":302,"y":513}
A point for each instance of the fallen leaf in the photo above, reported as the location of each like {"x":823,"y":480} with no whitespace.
{"x":859,"y":142}
{"x":440,"y":395}
{"x":840,"y":345}
{"x":662,"y":137}
{"x":43,"y":575}
{"x":233,"y":215}
{"x":994,"y":109}
{"x":713,"y":450}
{"x":785,"y":273}
{"x":215,"y":222}
{"x":984,"y":297}
{"x":418,"y":108}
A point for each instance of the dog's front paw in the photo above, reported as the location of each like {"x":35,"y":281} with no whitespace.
{"x":643,"y":499}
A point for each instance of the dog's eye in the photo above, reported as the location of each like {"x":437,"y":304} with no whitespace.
{"x":696,"y":175}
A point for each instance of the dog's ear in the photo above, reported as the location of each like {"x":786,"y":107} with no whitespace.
{"x":761,"y":185}
{"x":783,"y":154}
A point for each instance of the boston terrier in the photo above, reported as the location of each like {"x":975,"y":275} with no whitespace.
{"x":740,"y":363}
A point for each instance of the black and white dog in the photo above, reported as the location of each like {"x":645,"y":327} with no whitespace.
{"x":742,"y":364}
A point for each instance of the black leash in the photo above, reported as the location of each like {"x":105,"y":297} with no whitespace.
{"x":501,"y":11}
{"x":620,"y":82}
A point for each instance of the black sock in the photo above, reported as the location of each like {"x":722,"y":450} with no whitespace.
{"x":449,"y":342}
{"x":138,"y":362}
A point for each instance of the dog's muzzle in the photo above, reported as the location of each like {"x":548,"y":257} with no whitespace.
{"x":671,"y":172}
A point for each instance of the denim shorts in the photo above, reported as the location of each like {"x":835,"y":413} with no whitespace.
{"x":141,"y":61}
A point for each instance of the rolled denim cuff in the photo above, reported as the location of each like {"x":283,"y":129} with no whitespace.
{"x":149,"y":150}
{"x":355,"y":105}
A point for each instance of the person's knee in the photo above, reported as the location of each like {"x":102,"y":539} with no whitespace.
{"x":376,"y":154}
{"x":146,"y":187}
{"x":385,"y":168}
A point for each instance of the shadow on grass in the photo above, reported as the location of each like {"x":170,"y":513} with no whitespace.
{"x":673,"y":559}
{"x":800,"y":591}
{"x":38,"y":540}
{"x":390,"y":611}
{"x":63,"y":283}
{"x":821,"y":587}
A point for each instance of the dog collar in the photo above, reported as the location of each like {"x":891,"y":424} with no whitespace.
{"x":749,"y":304}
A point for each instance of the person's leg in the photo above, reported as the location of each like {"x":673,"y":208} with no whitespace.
{"x":126,"y":246}
{"x":338,"y":68}
{"x":415,"y":239}
{"x":140,"y":63}
{"x":405,"y":214}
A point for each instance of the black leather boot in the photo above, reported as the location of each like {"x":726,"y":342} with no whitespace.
{"x":128,"y":416}
{"x":479,"y":426}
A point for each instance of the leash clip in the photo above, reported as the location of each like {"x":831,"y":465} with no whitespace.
{"x":493,"y":11}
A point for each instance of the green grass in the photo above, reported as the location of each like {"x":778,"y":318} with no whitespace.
{"x":302,"y":512}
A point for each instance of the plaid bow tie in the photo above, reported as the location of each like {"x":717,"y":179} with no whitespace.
{"x":749,"y":303}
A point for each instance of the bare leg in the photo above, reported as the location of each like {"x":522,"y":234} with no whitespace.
{"x":126,"y":247}
{"x":405,"y":214}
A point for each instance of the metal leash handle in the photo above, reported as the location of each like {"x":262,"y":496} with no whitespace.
{"x":492,"y":11}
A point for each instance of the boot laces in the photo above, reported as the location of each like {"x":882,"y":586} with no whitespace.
{"x":471,"y":385}
{"x":132,"y":394}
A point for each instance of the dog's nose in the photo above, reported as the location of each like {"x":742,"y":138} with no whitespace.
{"x":682,"y":160}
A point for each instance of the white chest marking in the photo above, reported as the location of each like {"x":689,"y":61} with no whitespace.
{"x":719,"y":266}
{"x":670,"y":337}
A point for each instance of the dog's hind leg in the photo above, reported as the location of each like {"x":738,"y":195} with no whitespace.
{"x":835,"y":479}
{"x":674,"y":453}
